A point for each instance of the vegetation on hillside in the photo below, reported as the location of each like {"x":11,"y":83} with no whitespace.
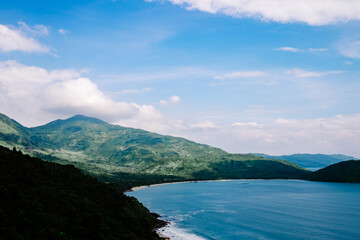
{"x":131,"y":157}
{"x":347,"y":171}
{"x":43,"y":200}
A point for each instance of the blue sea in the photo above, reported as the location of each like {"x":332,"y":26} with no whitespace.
{"x":256,"y":209}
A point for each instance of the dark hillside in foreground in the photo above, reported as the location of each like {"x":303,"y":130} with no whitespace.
{"x":347,"y":171}
{"x":42,"y":200}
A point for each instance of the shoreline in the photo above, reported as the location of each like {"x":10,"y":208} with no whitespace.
{"x":196,"y":181}
{"x":190,"y":181}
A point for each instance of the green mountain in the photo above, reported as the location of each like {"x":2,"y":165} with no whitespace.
{"x":43,"y":200}
{"x":346,"y":171}
{"x":310,"y":160}
{"x":115,"y":153}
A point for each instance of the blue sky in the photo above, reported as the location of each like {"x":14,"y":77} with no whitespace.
{"x":278,"y":78}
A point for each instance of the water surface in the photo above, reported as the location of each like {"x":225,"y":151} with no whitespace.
{"x":257,"y":209}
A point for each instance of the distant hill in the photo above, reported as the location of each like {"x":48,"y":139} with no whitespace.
{"x":43,"y":200}
{"x":347,"y":171}
{"x":310,"y":160}
{"x":112,"y":152}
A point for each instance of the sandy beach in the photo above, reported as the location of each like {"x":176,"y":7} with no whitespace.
{"x":159,"y":184}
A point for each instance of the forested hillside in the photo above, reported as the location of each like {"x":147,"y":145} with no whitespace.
{"x":43,"y":200}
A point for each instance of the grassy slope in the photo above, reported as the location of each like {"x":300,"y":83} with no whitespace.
{"x":114,"y":152}
{"x":347,"y":171}
{"x":42,"y":200}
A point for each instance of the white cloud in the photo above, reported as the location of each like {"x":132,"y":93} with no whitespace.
{"x":175,"y":99}
{"x":349,"y":63}
{"x":303,"y":74}
{"x":296,"y":50}
{"x":63,"y":31}
{"x":205,"y":125}
{"x":350,"y":49}
{"x":18,"y":39}
{"x":246,"y":74}
{"x":82,"y":96}
{"x":172,"y":100}
{"x":312,"y":12}
{"x":147,"y":117}
{"x":34,"y":95}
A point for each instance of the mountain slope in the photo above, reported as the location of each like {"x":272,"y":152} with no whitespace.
{"x":42,"y":200}
{"x":104,"y":149}
{"x":346,"y":171}
{"x":310,"y":160}
{"x":12,"y":131}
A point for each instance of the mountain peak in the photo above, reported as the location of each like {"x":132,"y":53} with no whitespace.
{"x":84,"y":118}
{"x":75,"y":120}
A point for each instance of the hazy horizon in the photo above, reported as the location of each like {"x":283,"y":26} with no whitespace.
{"x":245,"y":76}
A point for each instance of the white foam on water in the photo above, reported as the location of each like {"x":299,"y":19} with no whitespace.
{"x":175,"y":233}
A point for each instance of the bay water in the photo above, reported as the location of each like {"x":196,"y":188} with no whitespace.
{"x":256,"y":209}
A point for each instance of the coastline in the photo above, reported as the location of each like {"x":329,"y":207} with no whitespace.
{"x":196,"y":181}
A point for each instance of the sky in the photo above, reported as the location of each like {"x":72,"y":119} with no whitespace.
{"x":248,"y":76}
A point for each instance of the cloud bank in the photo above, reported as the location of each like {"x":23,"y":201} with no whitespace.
{"x":312,"y":12}
{"x":337,"y":134}
{"x":34,"y":95}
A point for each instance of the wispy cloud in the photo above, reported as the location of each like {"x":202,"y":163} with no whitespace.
{"x":19,"y":39}
{"x":204,"y":125}
{"x":312,"y":12}
{"x":296,"y":50}
{"x":244,"y":74}
{"x":63,"y":31}
{"x":158,"y":75}
{"x":133,"y":91}
{"x":350,"y":48}
{"x":37,"y":30}
{"x":316,"y":50}
{"x":296,"y":72}
{"x":247,"y":124}
{"x":288,"y":49}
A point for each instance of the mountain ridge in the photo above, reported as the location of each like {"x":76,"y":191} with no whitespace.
{"x":103,"y":149}
{"x":308,"y":160}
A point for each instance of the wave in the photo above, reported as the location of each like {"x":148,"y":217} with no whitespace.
{"x":175,"y":233}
